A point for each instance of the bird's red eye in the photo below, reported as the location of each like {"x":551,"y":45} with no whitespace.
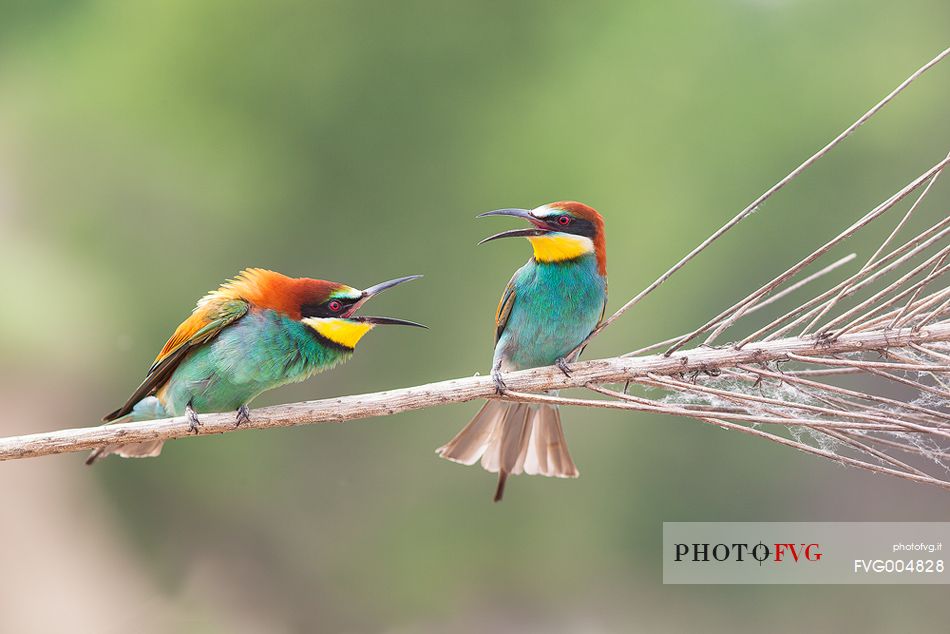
{"x":335,"y":306}
{"x":564,"y":220}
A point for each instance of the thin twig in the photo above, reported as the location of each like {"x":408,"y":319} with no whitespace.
{"x":873,"y":300}
{"x":739,"y":308}
{"x":751,"y":208}
{"x":786,"y":377}
{"x":685,"y":386}
{"x":774,"y":298}
{"x":933,"y":314}
{"x":885,"y":265}
{"x":929,"y":352}
{"x":921,"y":304}
{"x":874,"y":256}
{"x":814,"y":450}
{"x":849,"y":439}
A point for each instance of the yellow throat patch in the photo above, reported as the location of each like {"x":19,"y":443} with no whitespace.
{"x":557,"y":247}
{"x":340,"y":331}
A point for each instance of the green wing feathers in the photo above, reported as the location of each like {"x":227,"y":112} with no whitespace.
{"x":204,"y":324}
{"x":504,"y":308}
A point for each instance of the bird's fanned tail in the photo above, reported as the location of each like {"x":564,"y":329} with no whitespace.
{"x":148,"y":449}
{"x":513,"y":438}
{"x":147,"y":409}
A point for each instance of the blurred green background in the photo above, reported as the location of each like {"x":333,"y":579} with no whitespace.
{"x":149,"y":150}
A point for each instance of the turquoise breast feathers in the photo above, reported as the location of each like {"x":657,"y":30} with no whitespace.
{"x":556,"y":306}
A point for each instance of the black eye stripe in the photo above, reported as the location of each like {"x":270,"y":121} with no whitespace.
{"x":578,"y":226}
{"x":323,"y":309}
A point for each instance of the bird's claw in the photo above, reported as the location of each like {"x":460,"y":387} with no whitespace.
{"x":243,"y":416}
{"x":500,"y":387}
{"x":563,"y":367}
{"x":193,"y":422}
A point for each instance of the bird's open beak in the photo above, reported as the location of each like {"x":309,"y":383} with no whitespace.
{"x":392,"y":321}
{"x":539,"y":228}
{"x":382,"y":286}
{"x":372,"y":291}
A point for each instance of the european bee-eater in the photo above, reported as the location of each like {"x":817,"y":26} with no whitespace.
{"x":547,"y":310}
{"x":256,"y":332}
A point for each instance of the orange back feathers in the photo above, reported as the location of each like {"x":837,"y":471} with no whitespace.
{"x":261,"y":289}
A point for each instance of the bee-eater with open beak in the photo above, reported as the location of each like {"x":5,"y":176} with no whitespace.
{"x":256,"y":332}
{"x":548,"y":309}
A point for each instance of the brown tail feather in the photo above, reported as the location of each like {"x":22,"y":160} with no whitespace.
{"x":511,"y":438}
{"x":147,"y":449}
{"x":500,"y":489}
{"x":149,"y":408}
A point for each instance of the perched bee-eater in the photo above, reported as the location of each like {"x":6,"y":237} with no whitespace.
{"x":547,"y":310}
{"x":256,"y":332}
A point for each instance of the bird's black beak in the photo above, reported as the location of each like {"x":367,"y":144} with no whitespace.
{"x":390,"y":321}
{"x":538,"y":230}
{"x":376,"y":289}
{"x":382,"y":286}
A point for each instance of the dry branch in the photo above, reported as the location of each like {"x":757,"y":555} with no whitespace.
{"x":346,"y":408}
